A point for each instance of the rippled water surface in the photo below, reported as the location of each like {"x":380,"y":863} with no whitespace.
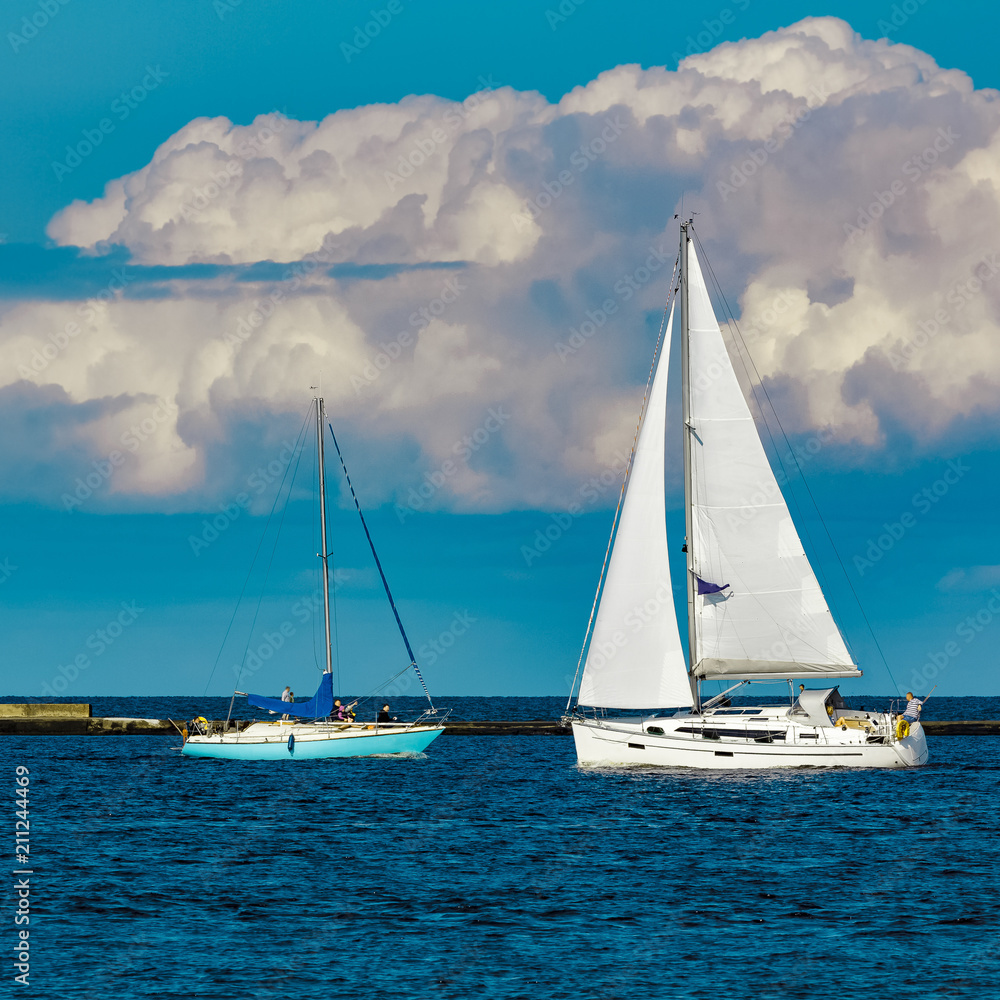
{"x":494,"y":867}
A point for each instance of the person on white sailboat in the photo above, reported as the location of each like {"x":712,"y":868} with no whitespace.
{"x":798,"y":700}
{"x":286,"y":695}
{"x":384,"y":715}
{"x":913,"y":707}
{"x":910,"y":715}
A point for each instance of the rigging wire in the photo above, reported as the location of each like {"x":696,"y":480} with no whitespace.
{"x":757,"y":381}
{"x":253,"y":562}
{"x":336,"y":630}
{"x":274,"y":549}
{"x":381,"y":687}
{"x":671,"y":295}
{"x":381,"y":573}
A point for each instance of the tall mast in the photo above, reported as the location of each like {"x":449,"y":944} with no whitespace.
{"x":324,"y":555}
{"x":687,"y":431}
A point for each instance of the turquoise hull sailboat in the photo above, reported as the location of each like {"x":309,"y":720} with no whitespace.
{"x":306,"y":730}
{"x":298,"y":741}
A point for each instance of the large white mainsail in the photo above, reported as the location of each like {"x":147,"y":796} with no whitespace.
{"x":772,"y":619}
{"x":635,"y":659}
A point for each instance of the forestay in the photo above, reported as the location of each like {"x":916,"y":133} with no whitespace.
{"x":635,"y":658}
{"x":772,"y":620}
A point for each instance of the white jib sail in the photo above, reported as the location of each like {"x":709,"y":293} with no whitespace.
{"x":635,"y":659}
{"x":772,"y":619}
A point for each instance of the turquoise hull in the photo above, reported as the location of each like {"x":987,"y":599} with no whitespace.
{"x":360,"y":744}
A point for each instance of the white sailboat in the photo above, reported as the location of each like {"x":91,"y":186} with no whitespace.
{"x":311,"y":732}
{"x":755,"y":608}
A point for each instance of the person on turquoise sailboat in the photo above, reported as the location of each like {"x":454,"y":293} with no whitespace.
{"x":343,"y":712}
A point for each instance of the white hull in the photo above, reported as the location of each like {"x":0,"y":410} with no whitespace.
{"x":305,"y":741}
{"x":615,"y":741}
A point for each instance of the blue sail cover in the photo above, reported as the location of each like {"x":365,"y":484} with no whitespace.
{"x":318,"y":706}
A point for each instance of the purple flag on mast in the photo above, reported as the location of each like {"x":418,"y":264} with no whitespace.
{"x":709,"y":588}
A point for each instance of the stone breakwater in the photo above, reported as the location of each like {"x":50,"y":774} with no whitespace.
{"x":75,"y":720}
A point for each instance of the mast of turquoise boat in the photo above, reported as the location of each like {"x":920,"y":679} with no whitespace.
{"x":686,"y":430}
{"x":324,"y":555}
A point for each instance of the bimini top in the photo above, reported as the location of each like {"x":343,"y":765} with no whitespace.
{"x":812,"y":706}
{"x":318,"y":706}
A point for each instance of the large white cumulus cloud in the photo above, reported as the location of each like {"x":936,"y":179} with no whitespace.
{"x":478,"y":285}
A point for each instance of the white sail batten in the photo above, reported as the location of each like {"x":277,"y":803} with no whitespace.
{"x":772,"y":619}
{"x":635,"y":658}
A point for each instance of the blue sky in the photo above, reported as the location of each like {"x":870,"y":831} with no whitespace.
{"x":250,"y":58}
{"x":125,"y":79}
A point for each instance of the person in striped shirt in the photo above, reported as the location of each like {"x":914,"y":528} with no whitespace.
{"x":910,"y":715}
{"x":913,"y":707}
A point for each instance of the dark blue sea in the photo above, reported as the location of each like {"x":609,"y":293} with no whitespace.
{"x":495,"y":867}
